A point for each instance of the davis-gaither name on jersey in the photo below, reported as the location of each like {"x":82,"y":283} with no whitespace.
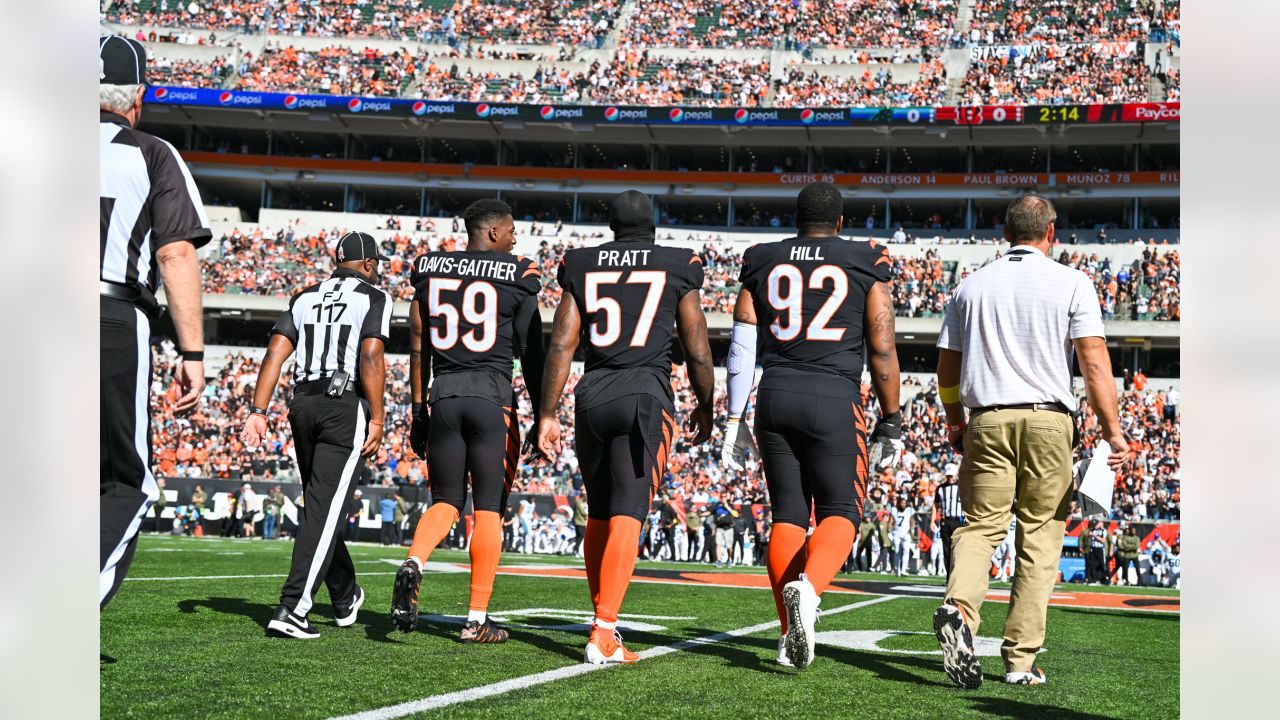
{"x":477,"y":267}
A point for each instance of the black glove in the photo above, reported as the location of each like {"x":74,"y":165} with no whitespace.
{"x":419,"y":431}
{"x":886,"y":442}
{"x":529,"y":448}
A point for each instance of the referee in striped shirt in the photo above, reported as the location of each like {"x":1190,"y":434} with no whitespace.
{"x":152,"y":223}
{"x":950,"y":512}
{"x":339,"y":328}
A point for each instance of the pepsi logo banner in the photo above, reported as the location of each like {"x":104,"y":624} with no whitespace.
{"x":740,"y":116}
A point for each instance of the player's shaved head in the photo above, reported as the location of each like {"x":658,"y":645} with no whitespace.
{"x":631,"y":216}
{"x":484,"y":214}
{"x":819,"y":209}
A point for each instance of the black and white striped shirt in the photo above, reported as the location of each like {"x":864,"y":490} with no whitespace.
{"x":148,"y":200}
{"x":947,"y":500}
{"x":327,"y":321}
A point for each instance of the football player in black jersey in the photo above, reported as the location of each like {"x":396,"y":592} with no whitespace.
{"x":624,"y":298}
{"x":813,"y":300}
{"x":476,"y":309}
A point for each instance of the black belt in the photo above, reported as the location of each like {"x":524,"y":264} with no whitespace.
{"x":135,"y":295}
{"x":321,"y":387}
{"x":1051,"y":407}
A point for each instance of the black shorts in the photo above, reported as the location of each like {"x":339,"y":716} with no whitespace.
{"x":471,"y":435}
{"x":812,"y":439}
{"x":622,"y":450}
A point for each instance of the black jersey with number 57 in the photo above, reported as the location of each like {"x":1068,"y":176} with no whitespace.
{"x":810,"y":295}
{"x":627,"y":293}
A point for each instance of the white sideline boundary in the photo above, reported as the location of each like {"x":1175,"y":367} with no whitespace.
{"x":501,"y":688}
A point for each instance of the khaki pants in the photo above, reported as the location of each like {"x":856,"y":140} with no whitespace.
{"x":1022,"y":456}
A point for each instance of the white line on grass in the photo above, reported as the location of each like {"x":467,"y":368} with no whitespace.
{"x":506,"y":686}
{"x":225,"y":577}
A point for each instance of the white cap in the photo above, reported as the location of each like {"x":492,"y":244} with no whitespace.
{"x":358,"y":492}
{"x":951,"y":470}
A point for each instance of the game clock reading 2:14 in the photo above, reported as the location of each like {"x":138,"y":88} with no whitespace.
{"x":1060,"y":113}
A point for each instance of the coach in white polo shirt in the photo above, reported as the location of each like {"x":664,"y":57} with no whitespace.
{"x":1004,"y":359}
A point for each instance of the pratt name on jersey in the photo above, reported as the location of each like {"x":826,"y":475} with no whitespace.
{"x":623,"y":258}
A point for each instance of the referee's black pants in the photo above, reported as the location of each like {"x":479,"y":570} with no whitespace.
{"x":126,"y":488}
{"x":327,"y":435}
{"x":949,"y":527}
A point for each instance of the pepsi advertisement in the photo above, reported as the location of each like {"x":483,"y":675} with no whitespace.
{"x":656,"y":115}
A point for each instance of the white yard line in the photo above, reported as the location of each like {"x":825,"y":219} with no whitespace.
{"x":506,"y":686}
{"x":224,"y":577}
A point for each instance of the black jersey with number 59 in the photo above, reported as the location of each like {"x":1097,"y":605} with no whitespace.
{"x":627,"y":293}
{"x":469,"y":303}
{"x":810,"y":295}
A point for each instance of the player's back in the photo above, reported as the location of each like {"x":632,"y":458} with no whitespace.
{"x":627,"y":293}
{"x":810,"y":297}
{"x":469,"y":302}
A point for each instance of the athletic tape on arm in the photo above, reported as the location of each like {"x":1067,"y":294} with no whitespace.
{"x":741,"y":366}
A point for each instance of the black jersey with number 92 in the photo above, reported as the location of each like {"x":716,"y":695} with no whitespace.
{"x":810,"y":296}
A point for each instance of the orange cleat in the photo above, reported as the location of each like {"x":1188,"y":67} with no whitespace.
{"x":605,"y":647}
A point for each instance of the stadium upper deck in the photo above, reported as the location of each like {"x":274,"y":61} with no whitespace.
{"x":752,"y":53}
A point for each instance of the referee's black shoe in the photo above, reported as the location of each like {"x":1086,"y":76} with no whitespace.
{"x":284,"y":624}
{"x":345,"y":613}
{"x":404,"y":597}
{"x":959,"y":659}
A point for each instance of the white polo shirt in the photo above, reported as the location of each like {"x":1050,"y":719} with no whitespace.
{"x":1013,"y":320}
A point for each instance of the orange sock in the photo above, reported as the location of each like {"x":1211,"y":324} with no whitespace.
{"x":432,"y":528}
{"x":785,"y":561}
{"x":486,"y":549}
{"x":617,"y":564}
{"x":829,"y":547}
{"x":593,"y":553}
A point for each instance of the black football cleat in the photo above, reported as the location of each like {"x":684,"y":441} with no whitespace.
{"x":486,"y":632}
{"x":284,"y":624}
{"x":404,"y":597}
{"x":959,"y":659}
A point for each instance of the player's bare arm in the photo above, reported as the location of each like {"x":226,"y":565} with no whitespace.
{"x":373,"y":380}
{"x":181,"y":272}
{"x":255,"y":427}
{"x":886,"y":380}
{"x":692,"y":326}
{"x":565,"y":334}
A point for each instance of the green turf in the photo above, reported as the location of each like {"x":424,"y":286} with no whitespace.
{"x":195,"y":648}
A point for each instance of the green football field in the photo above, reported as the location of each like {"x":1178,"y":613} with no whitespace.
{"x":186,"y":634}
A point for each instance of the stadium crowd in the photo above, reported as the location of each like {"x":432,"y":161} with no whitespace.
{"x":190,"y":73}
{"x":233,"y":15}
{"x":792,"y":24}
{"x":1021,"y":21}
{"x":798,"y":88}
{"x":1055,"y":74}
{"x":337,"y":70}
{"x":1149,"y":288}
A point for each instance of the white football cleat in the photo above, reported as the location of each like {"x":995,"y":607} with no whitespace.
{"x":801,"y":602}
{"x":782,"y":652}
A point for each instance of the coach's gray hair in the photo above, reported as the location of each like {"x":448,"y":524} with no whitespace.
{"x":117,"y":98}
{"x":1028,"y":219}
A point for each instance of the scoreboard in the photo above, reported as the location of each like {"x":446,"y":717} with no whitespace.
{"x":686,"y":115}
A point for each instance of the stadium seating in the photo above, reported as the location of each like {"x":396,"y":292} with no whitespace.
{"x":751,"y":53}
{"x":1134,"y":283}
